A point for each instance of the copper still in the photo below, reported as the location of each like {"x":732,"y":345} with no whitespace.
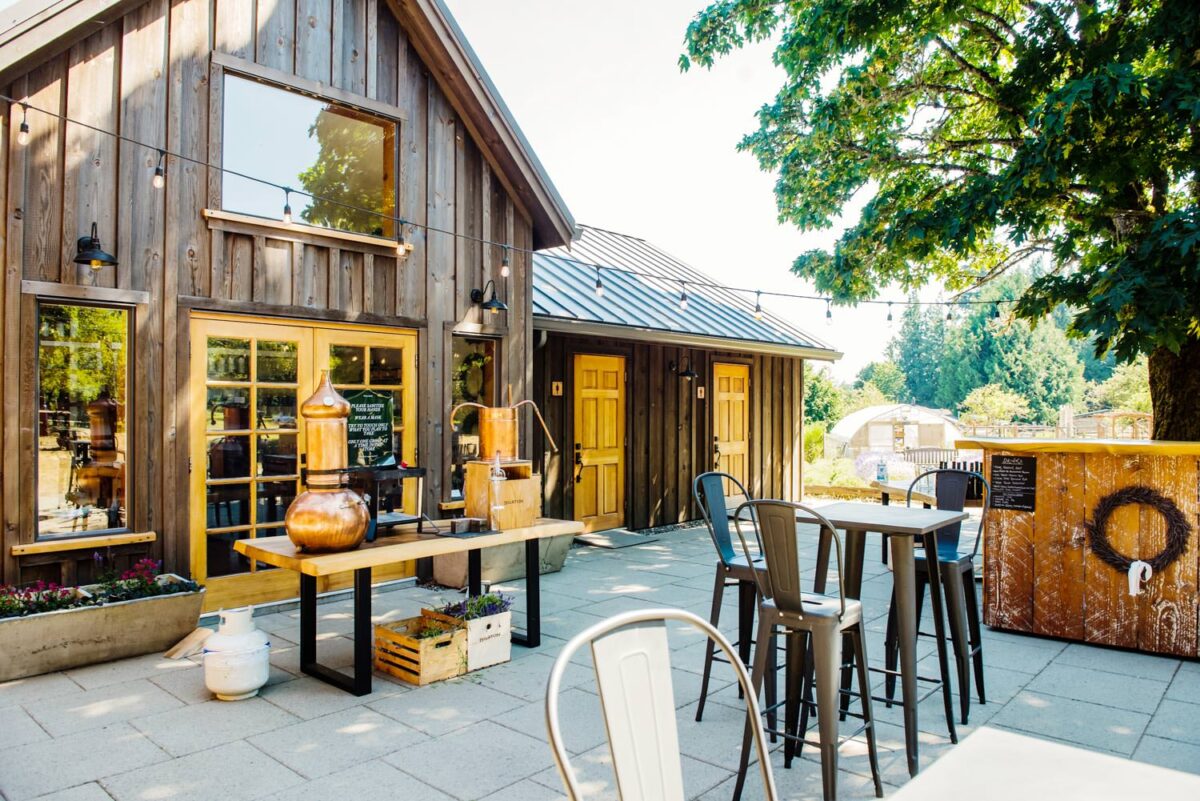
{"x":327,"y":516}
{"x":498,"y":429}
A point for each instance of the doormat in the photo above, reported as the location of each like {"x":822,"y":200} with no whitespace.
{"x":616,"y":538}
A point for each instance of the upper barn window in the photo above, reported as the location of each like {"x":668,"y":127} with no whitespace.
{"x":344,"y":156}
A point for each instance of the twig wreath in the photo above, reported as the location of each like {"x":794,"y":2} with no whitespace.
{"x":1178,"y":529}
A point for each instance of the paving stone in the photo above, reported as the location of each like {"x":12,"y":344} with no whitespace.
{"x":374,"y":779}
{"x":44,"y":767}
{"x":35,"y":688}
{"x":333,"y":651}
{"x":1103,"y":728}
{"x":103,"y":706}
{"x":505,"y":757}
{"x":123,"y":670}
{"x":84,"y":792}
{"x":526,"y":678}
{"x":526,"y":790}
{"x":188,"y":685}
{"x":1113,"y":660}
{"x":307,"y":697}
{"x":440,"y":708}
{"x":1186,"y":684}
{"x":234,"y":772}
{"x":200,"y":726}
{"x":18,"y":728}
{"x":1011,"y":654}
{"x":1168,"y":754}
{"x":1099,"y":687}
{"x":594,"y":773}
{"x":335,"y":742}
{"x":579,"y":717}
{"x":1177,"y":720}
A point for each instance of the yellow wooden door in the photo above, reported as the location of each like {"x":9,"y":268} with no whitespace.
{"x":248,"y":378}
{"x":247,"y":382}
{"x":599,"y":444}
{"x":731,"y":421}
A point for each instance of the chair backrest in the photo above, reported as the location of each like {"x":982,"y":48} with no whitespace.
{"x":950,"y":490}
{"x":709,"y":491}
{"x":777,"y":541}
{"x":632,"y":660}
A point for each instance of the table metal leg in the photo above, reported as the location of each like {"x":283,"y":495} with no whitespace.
{"x":904,"y":576}
{"x":856,"y":550}
{"x":532,"y":637}
{"x":474,"y":572}
{"x":360,"y":683}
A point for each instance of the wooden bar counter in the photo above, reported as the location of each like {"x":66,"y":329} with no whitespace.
{"x":1041,"y":573}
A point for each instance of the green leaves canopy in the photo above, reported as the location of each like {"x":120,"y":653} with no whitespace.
{"x":986,"y":133}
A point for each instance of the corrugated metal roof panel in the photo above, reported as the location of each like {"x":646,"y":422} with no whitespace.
{"x":564,"y":283}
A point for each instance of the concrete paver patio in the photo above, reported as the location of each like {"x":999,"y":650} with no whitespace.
{"x":145,"y":729}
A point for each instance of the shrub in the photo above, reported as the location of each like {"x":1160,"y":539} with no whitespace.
{"x":41,"y":597}
{"x":491,"y":603}
{"x":814,"y":442}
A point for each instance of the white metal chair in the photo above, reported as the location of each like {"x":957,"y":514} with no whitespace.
{"x":633,"y":673}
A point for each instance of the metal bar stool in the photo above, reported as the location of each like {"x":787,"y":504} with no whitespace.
{"x":709,"y":490}
{"x":957,"y":572}
{"x":813,"y":623}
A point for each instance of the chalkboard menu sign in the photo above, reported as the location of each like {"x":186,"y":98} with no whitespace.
{"x":369,"y":428}
{"x":1014,"y":482}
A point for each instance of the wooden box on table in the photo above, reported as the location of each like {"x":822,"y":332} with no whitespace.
{"x":518,"y":499}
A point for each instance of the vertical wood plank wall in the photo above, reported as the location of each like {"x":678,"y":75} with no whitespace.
{"x":150,"y":75}
{"x":669,"y":430}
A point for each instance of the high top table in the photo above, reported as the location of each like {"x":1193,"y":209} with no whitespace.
{"x":901,"y":526}
{"x":403,"y":546}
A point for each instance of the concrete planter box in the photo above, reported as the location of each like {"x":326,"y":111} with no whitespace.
{"x":503,"y":562}
{"x":70,"y":638}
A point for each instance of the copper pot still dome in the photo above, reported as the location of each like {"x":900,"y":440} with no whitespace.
{"x":327,"y":516}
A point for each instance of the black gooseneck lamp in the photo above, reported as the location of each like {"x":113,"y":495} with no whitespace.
{"x":90,"y":252}
{"x":493,"y":304}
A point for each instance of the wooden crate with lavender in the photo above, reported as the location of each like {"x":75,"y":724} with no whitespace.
{"x":421,"y":650}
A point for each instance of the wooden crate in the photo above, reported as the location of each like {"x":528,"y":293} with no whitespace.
{"x":489,"y":639}
{"x":520,"y":496}
{"x":421,"y":660}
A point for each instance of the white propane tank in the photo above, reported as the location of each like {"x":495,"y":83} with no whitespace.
{"x":237,"y":657}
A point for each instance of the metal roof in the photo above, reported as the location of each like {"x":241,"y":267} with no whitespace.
{"x":641,"y":294}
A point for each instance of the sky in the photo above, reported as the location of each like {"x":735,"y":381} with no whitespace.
{"x":637,"y":146}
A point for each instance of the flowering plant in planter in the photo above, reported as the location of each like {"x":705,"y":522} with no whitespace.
{"x":491,"y":603}
{"x":41,"y":597}
{"x":140,"y":581}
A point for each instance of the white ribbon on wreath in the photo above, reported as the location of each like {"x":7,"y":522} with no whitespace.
{"x":1139,"y":573}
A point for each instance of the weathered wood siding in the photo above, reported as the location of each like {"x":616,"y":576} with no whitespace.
{"x":668,"y":429}
{"x":152,"y":76}
{"x":1040,"y":575}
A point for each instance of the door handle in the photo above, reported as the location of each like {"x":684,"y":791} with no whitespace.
{"x":578,"y":463}
{"x":716,"y":453}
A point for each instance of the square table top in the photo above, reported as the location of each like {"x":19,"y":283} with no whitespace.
{"x":897,"y":520}
{"x":996,"y":765}
{"x":401,"y":547}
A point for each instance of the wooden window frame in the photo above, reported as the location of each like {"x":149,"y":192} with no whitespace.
{"x":101,"y":298}
{"x":223,"y":64}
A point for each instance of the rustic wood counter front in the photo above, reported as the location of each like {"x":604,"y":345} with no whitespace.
{"x":1040,"y":573}
{"x":400,"y":547}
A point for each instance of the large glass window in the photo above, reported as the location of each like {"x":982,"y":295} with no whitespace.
{"x":344,"y":156}
{"x":472,"y":378}
{"x":82,"y":443}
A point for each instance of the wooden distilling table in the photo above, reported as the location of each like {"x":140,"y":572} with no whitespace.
{"x":402,"y":546}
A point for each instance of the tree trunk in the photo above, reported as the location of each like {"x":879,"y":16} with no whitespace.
{"x":1175,"y":392}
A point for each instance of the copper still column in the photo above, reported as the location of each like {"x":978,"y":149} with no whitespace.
{"x":327,"y":516}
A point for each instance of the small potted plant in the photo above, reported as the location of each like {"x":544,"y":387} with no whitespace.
{"x":45,"y":627}
{"x":488,"y":618}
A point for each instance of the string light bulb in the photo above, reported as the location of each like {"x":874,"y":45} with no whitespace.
{"x":505,"y":269}
{"x":599,"y":284}
{"x":995,"y":311}
{"x":828,"y":312}
{"x":160,"y":172}
{"x":682,"y":296}
{"x":287,"y":207}
{"x":889,"y":318}
{"x":949,"y":313}
{"x":23,"y":130}
{"x":758,"y":305}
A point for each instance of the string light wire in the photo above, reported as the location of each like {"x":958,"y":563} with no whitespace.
{"x":505,"y":246}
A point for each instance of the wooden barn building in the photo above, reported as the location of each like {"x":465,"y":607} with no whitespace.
{"x":642,"y":395}
{"x":150,"y":405}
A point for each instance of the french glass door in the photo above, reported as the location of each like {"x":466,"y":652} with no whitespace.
{"x":248,"y":379}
